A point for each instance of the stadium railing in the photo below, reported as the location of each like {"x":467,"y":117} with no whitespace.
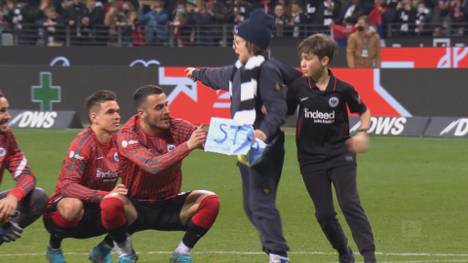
{"x":188,"y":35}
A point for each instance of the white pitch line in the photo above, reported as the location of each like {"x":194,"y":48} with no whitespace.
{"x":225,"y":252}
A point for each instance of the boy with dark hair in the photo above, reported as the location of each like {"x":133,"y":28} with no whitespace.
{"x":24,"y":203}
{"x":326,"y":152}
{"x":87,"y":201}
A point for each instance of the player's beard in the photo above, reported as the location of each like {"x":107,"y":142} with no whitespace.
{"x":158,"y":125}
{"x":4,"y":124}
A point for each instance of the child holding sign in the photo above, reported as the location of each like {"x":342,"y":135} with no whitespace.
{"x":255,"y":81}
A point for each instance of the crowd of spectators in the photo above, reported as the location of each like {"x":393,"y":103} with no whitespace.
{"x":186,"y":22}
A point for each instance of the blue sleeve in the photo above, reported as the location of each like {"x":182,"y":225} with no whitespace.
{"x":215,"y":78}
{"x":272,"y":92}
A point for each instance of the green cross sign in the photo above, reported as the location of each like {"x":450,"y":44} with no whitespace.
{"x":45,"y":93}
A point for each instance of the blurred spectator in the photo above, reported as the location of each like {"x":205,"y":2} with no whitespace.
{"x":121,"y":19}
{"x":242,"y":9}
{"x":375,"y":16}
{"x":31,"y":14}
{"x":423,"y":18}
{"x":389,"y":16}
{"x":182,"y":32}
{"x":265,"y":5}
{"x":74,"y":13}
{"x":281,"y":20}
{"x":223,"y":11}
{"x":406,"y":17}
{"x":441,"y":17}
{"x":51,"y":28}
{"x":457,"y":16}
{"x":329,"y":11}
{"x":363,"y":50}
{"x":12,"y":14}
{"x":76,"y":17}
{"x":155,"y":19}
{"x":97,"y":16}
{"x":179,"y":9}
{"x":351,"y":12}
{"x":310,"y":10}
{"x":96,"y":12}
{"x":297,"y":19}
{"x":203,"y":19}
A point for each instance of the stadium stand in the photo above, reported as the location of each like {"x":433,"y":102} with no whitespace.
{"x":211,"y":22}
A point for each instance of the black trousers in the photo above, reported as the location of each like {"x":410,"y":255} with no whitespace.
{"x":30,"y":207}
{"x":319,"y":183}
{"x":259,"y":185}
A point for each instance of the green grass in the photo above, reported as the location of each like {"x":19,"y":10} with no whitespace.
{"x":413,"y":189}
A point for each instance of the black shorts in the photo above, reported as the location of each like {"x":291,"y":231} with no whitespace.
{"x":89,"y":226}
{"x":160,"y":215}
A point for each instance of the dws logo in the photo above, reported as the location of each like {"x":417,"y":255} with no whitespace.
{"x":34,"y":119}
{"x":456,"y":128}
{"x":384,"y":125}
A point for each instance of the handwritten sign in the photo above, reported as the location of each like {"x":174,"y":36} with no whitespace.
{"x":228,"y":137}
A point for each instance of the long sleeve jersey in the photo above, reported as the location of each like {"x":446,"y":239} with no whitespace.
{"x":90,"y":169}
{"x":13,"y":160}
{"x":151,"y":165}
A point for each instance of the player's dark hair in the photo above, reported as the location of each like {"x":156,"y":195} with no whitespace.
{"x":139,"y":98}
{"x":319,"y":44}
{"x":97,"y":98}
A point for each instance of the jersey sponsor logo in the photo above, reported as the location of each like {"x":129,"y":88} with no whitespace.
{"x":75,"y":155}
{"x":456,"y":128}
{"x":2,"y":152}
{"x":333,"y":102}
{"x":35,"y":119}
{"x":107,"y":176}
{"x":320,"y":117}
{"x":170,"y":147}
{"x":384,"y":125}
{"x":125,"y":143}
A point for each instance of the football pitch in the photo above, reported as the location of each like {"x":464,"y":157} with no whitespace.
{"x":414,"y":191}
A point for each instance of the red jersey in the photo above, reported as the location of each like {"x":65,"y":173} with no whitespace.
{"x":90,"y":169}
{"x":151,"y":165}
{"x":13,"y":159}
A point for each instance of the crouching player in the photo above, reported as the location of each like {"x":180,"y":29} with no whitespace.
{"x":86,"y":202}
{"x":24,"y":203}
{"x":152,"y":146}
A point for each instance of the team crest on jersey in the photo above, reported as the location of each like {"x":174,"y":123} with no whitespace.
{"x":333,"y":102}
{"x":116,"y":157}
{"x":170,"y":147}
{"x":2,"y":152}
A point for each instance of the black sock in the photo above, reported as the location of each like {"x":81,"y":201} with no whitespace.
{"x":55,"y":241}
{"x":193,"y":234}
{"x":108,"y":241}
{"x":119,"y":235}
